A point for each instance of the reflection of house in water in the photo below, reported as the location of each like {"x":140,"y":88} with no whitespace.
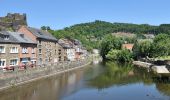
{"x":72,"y":79}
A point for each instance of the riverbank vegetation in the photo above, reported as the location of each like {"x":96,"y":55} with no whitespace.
{"x":157,"y":48}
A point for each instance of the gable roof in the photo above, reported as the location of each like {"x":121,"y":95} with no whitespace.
{"x":10,"y":40}
{"x":65,"y":43}
{"x":21,"y":38}
{"x":14,"y":37}
{"x":41,"y":34}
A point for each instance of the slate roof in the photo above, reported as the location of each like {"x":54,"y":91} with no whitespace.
{"x":14,"y":37}
{"x":41,"y":34}
{"x":21,"y":39}
{"x":10,"y":40}
{"x":65,"y":43}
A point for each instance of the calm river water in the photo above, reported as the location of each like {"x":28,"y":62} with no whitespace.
{"x":109,"y":81}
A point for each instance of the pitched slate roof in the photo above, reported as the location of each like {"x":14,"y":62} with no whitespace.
{"x":21,"y":38}
{"x":14,"y":37}
{"x":41,"y":34}
{"x":10,"y":40}
{"x":65,"y":43}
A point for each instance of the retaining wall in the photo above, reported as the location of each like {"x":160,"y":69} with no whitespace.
{"x":17,"y":77}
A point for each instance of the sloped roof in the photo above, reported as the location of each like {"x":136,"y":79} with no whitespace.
{"x":65,"y":43}
{"x":10,"y":40}
{"x":21,"y":39}
{"x":41,"y":34}
{"x":15,"y":37}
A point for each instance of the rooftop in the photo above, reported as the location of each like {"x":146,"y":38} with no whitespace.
{"x":41,"y":34}
{"x":14,"y":37}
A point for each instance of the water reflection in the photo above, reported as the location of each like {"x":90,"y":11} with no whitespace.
{"x":122,"y":74}
{"x":95,"y":82}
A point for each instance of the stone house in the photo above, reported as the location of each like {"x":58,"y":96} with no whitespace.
{"x":27,"y":50}
{"x":61,"y":53}
{"x":47,"y":47}
{"x":9,"y":50}
{"x":69,"y":51}
{"x":11,"y":44}
{"x":79,"y":49}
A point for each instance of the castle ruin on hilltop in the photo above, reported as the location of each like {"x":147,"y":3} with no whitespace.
{"x":12,"y":21}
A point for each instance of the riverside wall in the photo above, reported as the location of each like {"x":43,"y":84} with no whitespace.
{"x":18,"y":77}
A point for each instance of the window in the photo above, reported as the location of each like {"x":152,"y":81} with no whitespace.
{"x":14,"y":50}
{"x":59,"y":58}
{"x":6,"y":37}
{"x":2,"y":49}
{"x":2,"y":62}
{"x":39,"y":41}
{"x":24,"y":50}
{"x":40,"y":61}
{"x":40,"y":51}
{"x":33,"y":50}
{"x":55,"y":52}
{"x":13,"y":62}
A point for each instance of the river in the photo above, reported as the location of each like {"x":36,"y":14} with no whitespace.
{"x":104,"y":81}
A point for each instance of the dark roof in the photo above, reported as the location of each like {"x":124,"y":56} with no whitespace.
{"x":10,"y":40}
{"x":21,"y":38}
{"x":15,"y":37}
{"x":65,"y":43}
{"x":42,"y":34}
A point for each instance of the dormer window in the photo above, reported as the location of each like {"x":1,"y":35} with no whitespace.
{"x":40,"y":33}
{"x":22,"y":35}
{"x":6,"y":37}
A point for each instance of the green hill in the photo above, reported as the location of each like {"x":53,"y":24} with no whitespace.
{"x":91,"y":34}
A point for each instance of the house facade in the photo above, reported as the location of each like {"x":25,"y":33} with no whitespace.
{"x":69,"y":51}
{"x":61,"y":53}
{"x":47,"y":47}
{"x":9,"y":54}
{"x":14,"y":49}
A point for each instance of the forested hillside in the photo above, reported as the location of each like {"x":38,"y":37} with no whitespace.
{"x":91,"y":34}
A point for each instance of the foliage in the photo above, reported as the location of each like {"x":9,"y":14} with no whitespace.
{"x":46,"y":28}
{"x":112,"y":54}
{"x":158,"y":48}
{"x":108,"y":43}
{"x":143,"y":49}
{"x":125,"y":56}
{"x":161,"y":45}
{"x":91,"y":34}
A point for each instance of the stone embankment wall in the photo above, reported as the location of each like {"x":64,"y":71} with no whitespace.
{"x":13,"y":78}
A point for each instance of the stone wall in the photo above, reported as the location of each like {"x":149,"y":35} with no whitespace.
{"x":9,"y":79}
{"x":49,"y":51}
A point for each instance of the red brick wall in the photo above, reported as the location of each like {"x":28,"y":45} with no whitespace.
{"x":26,"y":32}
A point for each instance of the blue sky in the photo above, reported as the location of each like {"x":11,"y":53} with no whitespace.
{"x":62,"y":13}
